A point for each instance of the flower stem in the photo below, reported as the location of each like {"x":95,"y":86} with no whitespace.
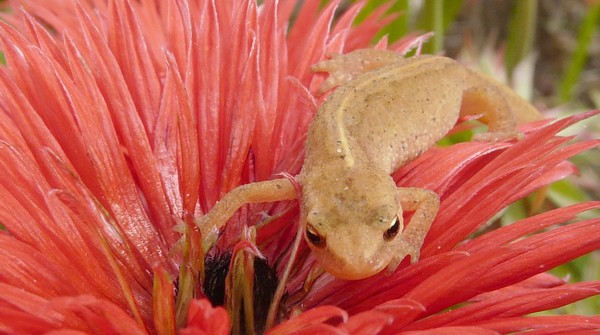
{"x":521,"y":33}
{"x":274,"y":307}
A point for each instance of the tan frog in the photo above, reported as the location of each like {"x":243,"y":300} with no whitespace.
{"x":387,"y":111}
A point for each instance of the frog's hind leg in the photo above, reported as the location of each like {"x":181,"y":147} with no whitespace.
{"x":495,"y":111}
{"x":343,"y":68}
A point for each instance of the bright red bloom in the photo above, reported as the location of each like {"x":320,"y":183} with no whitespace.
{"x":120,"y":120}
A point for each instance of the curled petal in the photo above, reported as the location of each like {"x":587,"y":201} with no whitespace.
{"x":205,"y":319}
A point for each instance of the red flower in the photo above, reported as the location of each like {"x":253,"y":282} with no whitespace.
{"x":120,"y":121}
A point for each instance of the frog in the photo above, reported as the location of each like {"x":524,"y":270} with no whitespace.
{"x":384,"y":111}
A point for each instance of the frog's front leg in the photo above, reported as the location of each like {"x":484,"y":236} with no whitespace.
{"x":425,"y":204}
{"x":343,"y":68}
{"x":264,"y":191}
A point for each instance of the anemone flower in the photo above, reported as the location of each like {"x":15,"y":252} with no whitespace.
{"x":123,"y":121}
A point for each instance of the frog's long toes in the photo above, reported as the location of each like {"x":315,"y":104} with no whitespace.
{"x":328,"y":66}
{"x":414,"y":256}
{"x":328,"y":84}
{"x":498,"y":136}
{"x":335,"y":79}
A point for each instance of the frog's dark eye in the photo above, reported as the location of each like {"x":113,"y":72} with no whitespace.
{"x":393,"y":230}
{"x":313,"y":236}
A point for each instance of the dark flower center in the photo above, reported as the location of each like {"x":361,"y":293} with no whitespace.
{"x":216,"y":268}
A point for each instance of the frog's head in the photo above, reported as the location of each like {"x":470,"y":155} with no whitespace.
{"x":354,"y":220}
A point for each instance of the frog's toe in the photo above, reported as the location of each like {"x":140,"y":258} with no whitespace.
{"x":335,"y":79}
{"x":337,"y":74}
{"x":329,"y":65}
{"x":415,"y":254}
{"x":393,"y":265}
{"x":498,"y":136}
{"x":406,"y":249}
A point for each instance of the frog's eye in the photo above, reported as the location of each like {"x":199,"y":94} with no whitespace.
{"x":313,"y":236}
{"x":393,"y":230}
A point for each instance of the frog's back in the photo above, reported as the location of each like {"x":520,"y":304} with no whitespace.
{"x":387,"y":117}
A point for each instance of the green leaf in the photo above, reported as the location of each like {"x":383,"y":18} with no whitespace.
{"x":521,"y":33}
{"x":578,"y":59}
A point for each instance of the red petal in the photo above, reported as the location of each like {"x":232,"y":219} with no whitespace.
{"x":97,"y":316}
{"x":363,"y":34}
{"x":205,"y":319}
{"x":367,"y":323}
{"x":312,"y":317}
{"x":163,"y":303}
{"x":309,"y":44}
{"x":22,"y":312}
{"x":453,"y":331}
{"x":204,"y":84}
{"x":560,"y":324}
{"x":525,"y":227}
{"x":510,"y":304}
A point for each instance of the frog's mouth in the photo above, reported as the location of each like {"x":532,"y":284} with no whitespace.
{"x":353,"y":266}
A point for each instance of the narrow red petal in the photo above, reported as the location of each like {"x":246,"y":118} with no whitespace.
{"x":271,"y":71}
{"x":26,"y":307}
{"x":559,"y":324}
{"x":363,"y":34}
{"x":511,"y":304}
{"x":118,"y":186}
{"x":179,"y":163}
{"x":163,"y":305}
{"x":128,"y":45}
{"x":309,"y":49}
{"x":205,"y":319}
{"x":315,"y":316}
{"x":367,"y":323}
{"x":309,"y":16}
{"x":454,"y":331}
{"x":98,"y":316}
{"x":525,"y":227}
{"x":204,"y":85}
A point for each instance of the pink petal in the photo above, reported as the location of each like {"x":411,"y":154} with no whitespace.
{"x":559,"y":324}
{"x":163,"y":304}
{"x":313,"y":317}
{"x":369,"y":322}
{"x":205,"y":319}
{"x":453,"y":331}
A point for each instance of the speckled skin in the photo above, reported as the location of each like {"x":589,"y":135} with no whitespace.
{"x":386,"y":111}
{"x":371,"y":125}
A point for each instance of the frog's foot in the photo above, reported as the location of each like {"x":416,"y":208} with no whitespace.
{"x":498,"y":136}
{"x":406,"y":249}
{"x":343,"y":68}
{"x":338,"y":74}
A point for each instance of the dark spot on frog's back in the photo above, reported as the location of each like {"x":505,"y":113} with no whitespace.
{"x":340,"y":196}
